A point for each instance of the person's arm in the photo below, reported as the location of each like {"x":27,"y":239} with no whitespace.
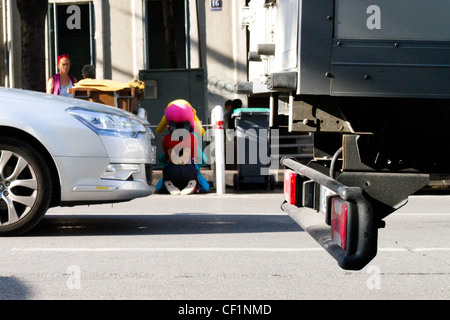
{"x":50,"y":86}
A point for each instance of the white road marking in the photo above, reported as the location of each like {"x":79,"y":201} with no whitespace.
{"x":419,"y":214}
{"x":412,"y":249}
{"x":209,"y":249}
{"x":164,"y":249}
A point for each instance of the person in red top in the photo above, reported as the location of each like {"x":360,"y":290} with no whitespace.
{"x":182,"y":157}
{"x":180,"y":152}
{"x":180,"y":149}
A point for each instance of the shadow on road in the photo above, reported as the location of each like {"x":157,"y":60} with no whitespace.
{"x":182,"y":223}
{"x":12,"y":288}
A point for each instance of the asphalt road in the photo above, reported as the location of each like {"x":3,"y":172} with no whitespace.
{"x":233,"y":246}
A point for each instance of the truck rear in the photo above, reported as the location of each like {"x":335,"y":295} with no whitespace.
{"x":370,"y":82}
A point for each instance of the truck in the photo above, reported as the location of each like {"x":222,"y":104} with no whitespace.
{"x":369,"y":81}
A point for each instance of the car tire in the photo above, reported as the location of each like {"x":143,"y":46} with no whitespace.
{"x":25,"y":186}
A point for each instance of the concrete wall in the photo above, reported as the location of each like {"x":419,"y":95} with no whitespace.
{"x":217,"y":42}
{"x":125,"y":42}
{"x":226,"y":52}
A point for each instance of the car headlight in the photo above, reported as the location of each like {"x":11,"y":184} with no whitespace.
{"x":110,"y":123}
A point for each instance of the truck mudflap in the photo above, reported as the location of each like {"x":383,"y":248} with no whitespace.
{"x":348,"y":230}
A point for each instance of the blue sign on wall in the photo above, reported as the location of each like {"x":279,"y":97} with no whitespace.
{"x":216,"y":5}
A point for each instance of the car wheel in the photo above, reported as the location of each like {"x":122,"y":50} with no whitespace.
{"x":25,"y":186}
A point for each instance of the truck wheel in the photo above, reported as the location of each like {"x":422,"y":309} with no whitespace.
{"x":25,"y":187}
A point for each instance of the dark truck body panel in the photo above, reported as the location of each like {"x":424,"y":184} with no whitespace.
{"x":408,"y":56}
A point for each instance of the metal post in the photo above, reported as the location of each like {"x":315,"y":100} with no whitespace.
{"x":219,"y":143}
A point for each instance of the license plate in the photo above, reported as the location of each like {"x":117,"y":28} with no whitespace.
{"x":324,"y":193}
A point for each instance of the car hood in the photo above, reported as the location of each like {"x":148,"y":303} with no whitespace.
{"x":44,"y":117}
{"x":43,"y":101}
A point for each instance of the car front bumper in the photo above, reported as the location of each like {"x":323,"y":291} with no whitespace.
{"x":82,"y":182}
{"x":123,"y":173}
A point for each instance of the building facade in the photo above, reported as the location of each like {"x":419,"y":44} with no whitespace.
{"x":124,"y":39}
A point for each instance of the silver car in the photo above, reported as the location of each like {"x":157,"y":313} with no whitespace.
{"x":56,"y":151}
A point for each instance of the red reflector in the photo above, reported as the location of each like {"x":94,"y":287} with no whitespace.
{"x":339,"y":213}
{"x":289,"y":186}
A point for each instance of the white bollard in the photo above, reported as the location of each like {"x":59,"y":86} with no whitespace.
{"x":219,"y":144}
{"x":141,"y":112}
